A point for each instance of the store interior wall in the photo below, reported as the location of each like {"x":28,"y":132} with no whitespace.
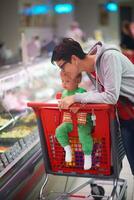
{"x":45,"y":34}
{"x":9,"y":24}
{"x":63,"y":23}
{"x":86,"y":13}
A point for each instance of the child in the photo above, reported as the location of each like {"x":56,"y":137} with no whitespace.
{"x":84,"y":123}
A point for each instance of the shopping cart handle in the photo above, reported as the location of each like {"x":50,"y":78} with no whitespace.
{"x":92,"y":106}
{"x":82,"y":107}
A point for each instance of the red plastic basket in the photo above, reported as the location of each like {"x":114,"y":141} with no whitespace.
{"x":50,"y":117}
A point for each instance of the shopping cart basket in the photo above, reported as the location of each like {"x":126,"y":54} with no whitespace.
{"x":107,"y":153}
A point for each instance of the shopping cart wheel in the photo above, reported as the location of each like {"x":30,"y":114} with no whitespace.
{"x":98,"y":191}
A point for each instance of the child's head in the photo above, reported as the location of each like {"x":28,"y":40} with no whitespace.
{"x":68,"y":83}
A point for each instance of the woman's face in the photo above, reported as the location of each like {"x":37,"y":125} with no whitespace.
{"x":71,"y":68}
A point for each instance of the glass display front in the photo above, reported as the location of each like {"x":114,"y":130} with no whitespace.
{"x":18,"y":128}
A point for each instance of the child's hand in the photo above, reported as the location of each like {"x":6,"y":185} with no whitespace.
{"x":74,"y":109}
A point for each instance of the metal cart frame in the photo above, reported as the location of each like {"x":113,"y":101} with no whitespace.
{"x":116,"y":150}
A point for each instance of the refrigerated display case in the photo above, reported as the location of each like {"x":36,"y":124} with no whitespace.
{"x":21,"y":165}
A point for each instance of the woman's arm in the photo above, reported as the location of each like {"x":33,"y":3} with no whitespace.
{"x":112,"y":72}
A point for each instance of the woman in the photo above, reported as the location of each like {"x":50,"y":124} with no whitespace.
{"x":114,"y":78}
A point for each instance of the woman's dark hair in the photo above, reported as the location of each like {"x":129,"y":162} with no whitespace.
{"x":65,"y":49}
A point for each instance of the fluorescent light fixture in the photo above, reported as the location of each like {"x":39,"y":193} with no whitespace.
{"x":63,"y":8}
{"x":111,"y":6}
{"x":39,"y":9}
{"x":35,"y":10}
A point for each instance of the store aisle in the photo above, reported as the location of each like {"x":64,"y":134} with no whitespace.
{"x":56,"y":184}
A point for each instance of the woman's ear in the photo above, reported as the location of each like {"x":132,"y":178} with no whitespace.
{"x":74,"y":59}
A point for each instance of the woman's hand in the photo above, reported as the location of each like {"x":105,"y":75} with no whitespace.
{"x":66,"y":102}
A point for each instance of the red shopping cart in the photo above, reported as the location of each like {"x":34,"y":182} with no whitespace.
{"x":107,"y":153}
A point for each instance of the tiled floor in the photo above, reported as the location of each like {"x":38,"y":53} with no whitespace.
{"x":57,"y":184}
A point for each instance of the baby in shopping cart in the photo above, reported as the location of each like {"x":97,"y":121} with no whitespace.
{"x":84,"y":121}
